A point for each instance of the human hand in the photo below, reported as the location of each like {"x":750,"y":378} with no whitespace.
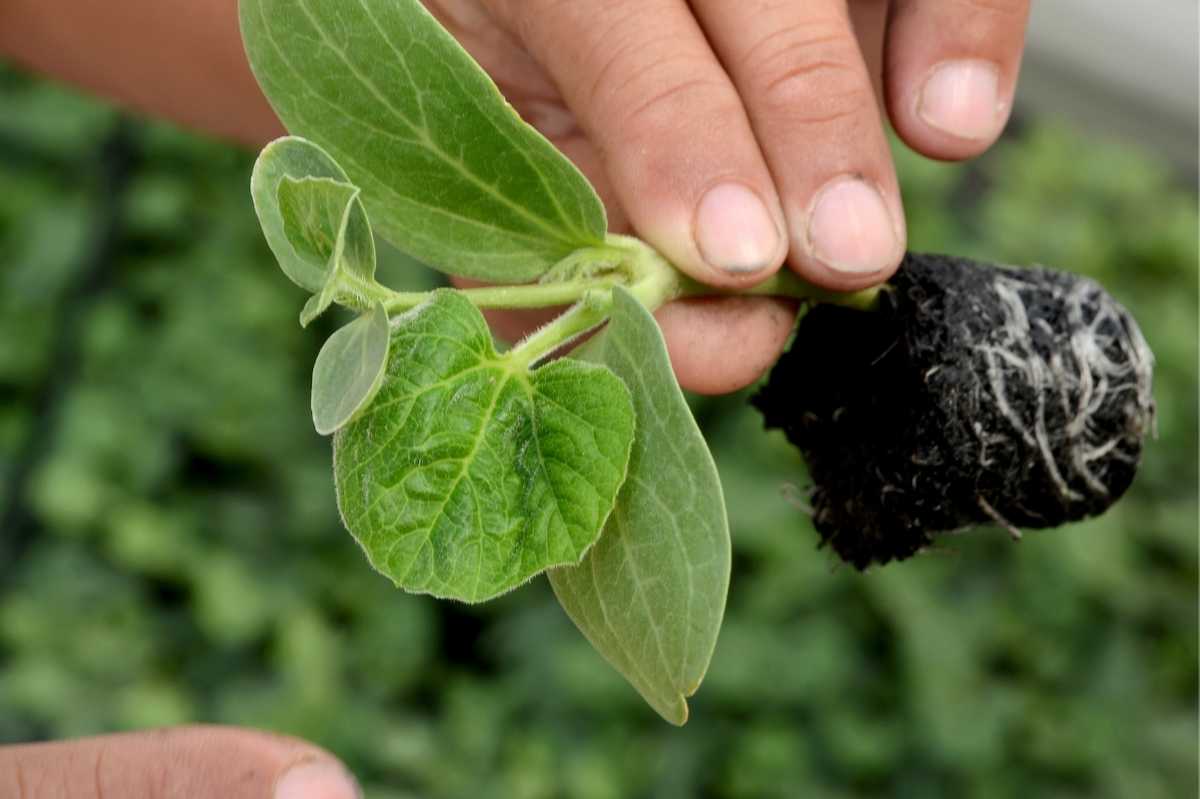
{"x":192,"y":762}
{"x":731,"y":134}
{"x":735,"y":136}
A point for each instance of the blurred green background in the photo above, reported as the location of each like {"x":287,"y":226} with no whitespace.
{"x":170,"y":550}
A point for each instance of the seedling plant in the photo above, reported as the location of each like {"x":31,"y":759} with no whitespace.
{"x":464,"y":471}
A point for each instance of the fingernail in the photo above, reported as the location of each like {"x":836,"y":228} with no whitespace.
{"x":962,"y":98}
{"x":734,"y":230}
{"x":850,"y":228}
{"x":317,"y":779}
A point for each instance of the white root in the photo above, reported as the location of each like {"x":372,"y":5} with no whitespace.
{"x":1000,"y":521}
{"x":798,"y":498}
{"x":1081,"y":379}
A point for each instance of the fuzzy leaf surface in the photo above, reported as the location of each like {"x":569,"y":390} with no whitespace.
{"x":650,"y":595}
{"x":318,"y":221}
{"x":468,"y":475}
{"x":449,"y":171}
{"x":349,"y":370}
{"x":311,"y":214}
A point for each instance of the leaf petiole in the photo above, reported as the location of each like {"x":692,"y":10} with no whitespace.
{"x":535,"y":295}
{"x":580,"y":318}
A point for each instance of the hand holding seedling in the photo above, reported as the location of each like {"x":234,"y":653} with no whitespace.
{"x":731,"y":135}
{"x":737,"y":137}
{"x":463,"y":471}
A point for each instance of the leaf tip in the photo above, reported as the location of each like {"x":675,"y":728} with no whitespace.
{"x":677,"y":714}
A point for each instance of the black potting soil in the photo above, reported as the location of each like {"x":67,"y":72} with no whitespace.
{"x":975,"y":394}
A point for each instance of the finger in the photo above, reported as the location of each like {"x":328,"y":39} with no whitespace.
{"x":674,"y":139}
{"x":951,"y":70}
{"x":869,"y":18}
{"x":185,"y":761}
{"x":716,"y":345}
{"x":808,"y":93}
{"x":721,"y":344}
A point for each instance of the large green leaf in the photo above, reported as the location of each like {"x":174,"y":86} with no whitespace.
{"x":349,"y":370}
{"x":310,"y":214}
{"x":449,"y":172}
{"x":650,"y":595}
{"x":468,"y":475}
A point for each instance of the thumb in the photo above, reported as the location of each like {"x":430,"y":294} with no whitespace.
{"x":199,"y":762}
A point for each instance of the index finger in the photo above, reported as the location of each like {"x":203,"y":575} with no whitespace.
{"x":669,"y":126}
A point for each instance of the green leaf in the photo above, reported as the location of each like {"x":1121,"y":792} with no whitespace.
{"x":318,"y":303}
{"x":311,"y":215}
{"x":321,"y":223}
{"x":651,"y":594}
{"x":323,"y":219}
{"x":349,"y":371}
{"x":469,"y":475}
{"x":449,"y":171}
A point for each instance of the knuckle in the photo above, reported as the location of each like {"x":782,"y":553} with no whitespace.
{"x":615,"y":67}
{"x":808,"y":73}
{"x":818,"y":92}
{"x":667,"y":104}
{"x":644,"y":86}
{"x":815,"y":93}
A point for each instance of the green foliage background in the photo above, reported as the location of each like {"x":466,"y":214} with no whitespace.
{"x":170,"y":550}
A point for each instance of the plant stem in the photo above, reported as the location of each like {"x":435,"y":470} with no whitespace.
{"x":581,"y":317}
{"x":786,"y":283}
{"x":621,"y":261}
{"x":535,"y":295}
{"x":658,"y":282}
{"x":632,"y":263}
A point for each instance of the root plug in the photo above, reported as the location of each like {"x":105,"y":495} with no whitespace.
{"x":974,"y":394}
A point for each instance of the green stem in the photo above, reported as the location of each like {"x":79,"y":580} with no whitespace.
{"x":632,"y":263}
{"x":581,"y":317}
{"x":786,"y":283}
{"x":536,"y":295}
{"x":655,"y":282}
{"x":649,"y":277}
{"x":622,"y":260}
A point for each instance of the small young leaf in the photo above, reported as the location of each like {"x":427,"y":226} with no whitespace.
{"x":323,"y":220}
{"x":468,"y":475}
{"x":449,"y":171}
{"x":651,"y":594}
{"x":349,"y":371}
{"x":311,"y":214}
{"x":318,"y":303}
{"x":321,"y":223}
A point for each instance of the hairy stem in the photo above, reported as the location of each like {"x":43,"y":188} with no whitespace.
{"x":582,"y":317}
{"x":587,"y":278}
{"x":648,"y":276}
{"x":622,"y":260}
{"x":537,"y":295}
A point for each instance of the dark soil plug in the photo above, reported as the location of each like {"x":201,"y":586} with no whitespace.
{"x":974,"y":395}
